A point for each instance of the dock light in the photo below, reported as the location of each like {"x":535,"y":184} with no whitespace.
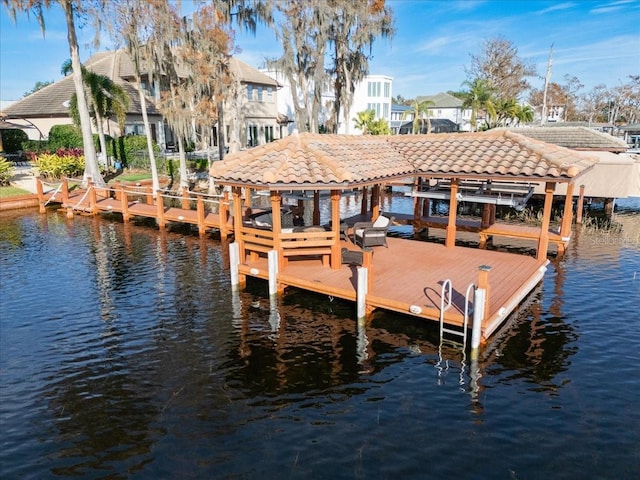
{"x":254,"y":271}
{"x":180,"y":217}
{"x":415,"y":309}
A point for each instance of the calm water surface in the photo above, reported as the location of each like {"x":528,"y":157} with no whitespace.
{"x":125,"y":354}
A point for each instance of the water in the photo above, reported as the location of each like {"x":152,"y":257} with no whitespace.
{"x":125,"y":354}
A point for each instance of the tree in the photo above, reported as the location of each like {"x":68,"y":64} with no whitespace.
{"x":128,"y":23}
{"x":498,"y":63}
{"x":303,"y":33}
{"x":37,"y":86}
{"x":379,"y":127}
{"x":420,"y":111}
{"x":70,"y":9}
{"x":364,"y":120}
{"x":479,"y":97}
{"x":107,"y":99}
{"x":352,"y":32}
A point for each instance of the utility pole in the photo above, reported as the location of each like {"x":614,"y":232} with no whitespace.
{"x":546,"y":86}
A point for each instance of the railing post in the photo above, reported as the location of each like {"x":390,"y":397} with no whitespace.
{"x":40,"y":192}
{"x":223,"y":213}
{"x":185,"y":199}
{"x":93,"y":198}
{"x":149,"y":195}
{"x":160,"y":210}
{"x":124,"y":202}
{"x":65,"y":191}
{"x":200,"y":214}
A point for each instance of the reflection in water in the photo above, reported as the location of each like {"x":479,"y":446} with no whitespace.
{"x":127,"y":354}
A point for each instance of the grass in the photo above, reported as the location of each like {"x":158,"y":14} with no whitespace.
{"x":133,"y":177}
{"x":9,"y":191}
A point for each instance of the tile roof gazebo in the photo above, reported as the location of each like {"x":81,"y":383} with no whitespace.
{"x":339,"y":162}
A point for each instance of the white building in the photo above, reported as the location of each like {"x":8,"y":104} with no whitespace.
{"x":373,"y":93}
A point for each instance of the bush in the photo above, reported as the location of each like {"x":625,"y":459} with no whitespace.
{"x":6,"y":171}
{"x":63,"y":163}
{"x":65,"y":136}
{"x":12,"y":140}
{"x":132,"y":151}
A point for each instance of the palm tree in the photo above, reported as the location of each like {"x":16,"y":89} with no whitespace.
{"x":363,"y":120}
{"x":506,"y":111}
{"x":479,"y":97}
{"x":69,"y":7}
{"x":420,"y":112}
{"x":524,"y":114}
{"x":107,"y":99}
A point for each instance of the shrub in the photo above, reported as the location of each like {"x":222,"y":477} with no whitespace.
{"x":65,"y":136}
{"x":63,"y":163}
{"x":6,"y":171}
{"x":12,"y":140}
{"x":132,"y":151}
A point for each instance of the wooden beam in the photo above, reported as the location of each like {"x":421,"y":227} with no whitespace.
{"x":336,"y":253}
{"x":316,"y":207}
{"x":567,"y":214}
{"x":543,"y":241}
{"x":450,"y":240}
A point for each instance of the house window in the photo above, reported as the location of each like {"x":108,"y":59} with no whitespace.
{"x":250,"y":92}
{"x":134,"y":129}
{"x":260,"y":88}
{"x":252,"y":135}
{"x":373,"y":89}
{"x":387,"y":89}
{"x":269,"y":94}
{"x":268,"y":134}
{"x":385,"y":110}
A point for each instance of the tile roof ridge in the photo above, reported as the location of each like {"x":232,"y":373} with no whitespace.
{"x":553,"y":154}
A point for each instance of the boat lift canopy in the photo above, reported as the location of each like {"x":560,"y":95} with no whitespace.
{"x":511,"y":194}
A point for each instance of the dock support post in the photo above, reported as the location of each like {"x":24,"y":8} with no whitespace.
{"x":361,"y":294}
{"x":362,"y":341}
{"x":93,"y":197}
{"x":234,"y":262}
{"x":200,"y":212}
{"x":580,"y":205}
{"x":160,"y":211}
{"x":272,"y":261}
{"x":478,"y":314}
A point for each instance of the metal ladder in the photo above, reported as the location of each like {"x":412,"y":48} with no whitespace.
{"x":445,"y":304}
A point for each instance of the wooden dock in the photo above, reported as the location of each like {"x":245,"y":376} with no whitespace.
{"x":408,"y":277}
{"x":205,"y":211}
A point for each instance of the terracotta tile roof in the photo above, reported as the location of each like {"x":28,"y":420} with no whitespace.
{"x":576,"y":138}
{"x":307,"y":160}
{"x":330,"y":161}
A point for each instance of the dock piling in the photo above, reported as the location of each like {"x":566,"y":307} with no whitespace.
{"x":272,"y":260}
{"x":361,"y":295}
{"x":234,"y":261}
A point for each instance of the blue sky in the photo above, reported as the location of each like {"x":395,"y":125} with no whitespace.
{"x":597,"y":41}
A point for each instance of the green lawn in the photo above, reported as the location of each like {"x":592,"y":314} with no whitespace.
{"x":6,"y":192}
{"x":133,"y":177}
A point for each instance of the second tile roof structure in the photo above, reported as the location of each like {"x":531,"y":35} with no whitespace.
{"x":315,"y":161}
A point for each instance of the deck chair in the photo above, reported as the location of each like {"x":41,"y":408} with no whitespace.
{"x":372,"y":234}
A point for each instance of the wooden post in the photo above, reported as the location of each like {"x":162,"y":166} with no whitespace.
{"x":118,"y":188}
{"x":375,"y":202}
{"x":223,"y":212}
{"x":93,"y":198}
{"x":336,"y":253}
{"x":417,"y":201}
{"x":316,"y":207}
{"x":361,"y":292}
{"x":580,"y":205}
{"x":237,"y":221}
{"x":450,"y":240}
{"x":40,"y":191}
{"x":160,"y":210}
{"x":543,"y":242}
{"x":200,"y":214}
{"x":124,"y":202}
{"x":567,"y":219}
{"x":486,"y":216}
{"x":483,"y":283}
{"x":65,"y":191}
{"x":149,"y":195}
{"x":364,"y":205}
{"x":247,"y":202}
{"x":185,"y":199}
{"x":234,"y":262}
{"x":272,"y":265}
{"x":367,"y":262}
{"x":276,"y":226}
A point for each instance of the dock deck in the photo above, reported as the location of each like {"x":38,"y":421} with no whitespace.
{"x":411,"y":273}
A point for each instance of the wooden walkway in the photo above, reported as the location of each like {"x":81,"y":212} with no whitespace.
{"x":410,"y":274}
{"x":204,"y":211}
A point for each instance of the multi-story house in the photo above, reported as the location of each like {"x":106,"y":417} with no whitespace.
{"x":447,"y":107}
{"x":251,"y":116}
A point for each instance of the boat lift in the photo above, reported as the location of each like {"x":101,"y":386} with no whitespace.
{"x":511,"y":194}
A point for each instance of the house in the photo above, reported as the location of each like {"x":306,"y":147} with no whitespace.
{"x":252,"y":114}
{"x":447,"y":107}
{"x":372,"y":93}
